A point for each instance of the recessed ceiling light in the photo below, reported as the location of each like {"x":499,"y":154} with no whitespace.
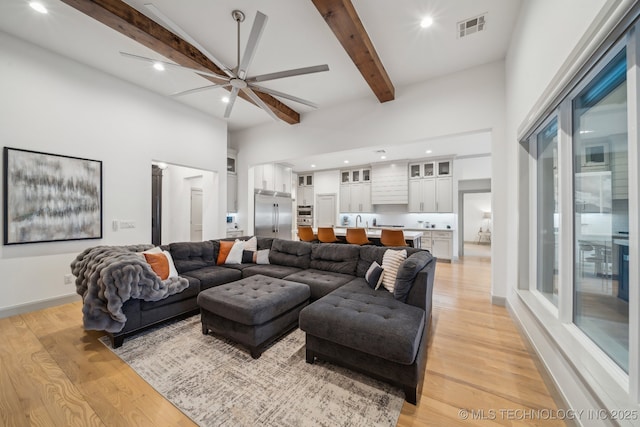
{"x":383,"y":157}
{"x":346,"y":161}
{"x":428,"y":151}
{"x":313,"y":166}
{"x":38,"y":7}
{"x":158,"y":66}
{"x":426,"y":22}
{"x":225,"y":99}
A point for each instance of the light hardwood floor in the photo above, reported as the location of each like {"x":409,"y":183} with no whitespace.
{"x":53,"y":373}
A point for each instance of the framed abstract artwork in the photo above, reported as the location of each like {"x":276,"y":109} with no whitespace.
{"x":50,"y":197}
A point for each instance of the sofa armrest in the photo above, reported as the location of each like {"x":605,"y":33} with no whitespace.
{"x":421,"y":292}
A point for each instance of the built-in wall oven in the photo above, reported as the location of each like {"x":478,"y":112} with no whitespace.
{"x":305,"y":215}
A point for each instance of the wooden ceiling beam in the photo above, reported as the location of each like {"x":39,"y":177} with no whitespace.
{"x":345,"y":23}
{"x":126,"y":20}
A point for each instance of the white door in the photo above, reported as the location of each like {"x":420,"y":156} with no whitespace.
{"x":326,"y":210}
{"x":196,"y":215}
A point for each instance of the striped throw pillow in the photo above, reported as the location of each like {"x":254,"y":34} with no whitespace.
{"x":391,"y":262}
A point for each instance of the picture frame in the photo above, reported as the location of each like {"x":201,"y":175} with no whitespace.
{"x":50,"y":197}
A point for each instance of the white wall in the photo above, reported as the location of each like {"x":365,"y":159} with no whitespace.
{"x":55,"y":105}
{"x":176,"y":203}
{"x":465,"y":102}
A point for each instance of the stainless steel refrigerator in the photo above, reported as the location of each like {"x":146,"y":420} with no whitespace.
{"x":273,"y":214}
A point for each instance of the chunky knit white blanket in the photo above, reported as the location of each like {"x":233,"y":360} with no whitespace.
{"x":108,"y":276}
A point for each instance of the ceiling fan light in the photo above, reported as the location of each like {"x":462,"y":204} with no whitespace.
{"x":426,"y":22}
{"x":158,"y":66}
{"x":38,"y":7}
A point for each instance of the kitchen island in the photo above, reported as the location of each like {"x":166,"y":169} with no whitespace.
{"x":413,"y":238}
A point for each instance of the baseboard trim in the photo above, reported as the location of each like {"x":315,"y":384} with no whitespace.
{"x":38,"y":305}
{"x":501,"y":301}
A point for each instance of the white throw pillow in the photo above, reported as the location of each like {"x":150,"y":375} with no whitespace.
{"x":235,"y":254}
{"x":391,"y":262}
{"x":172,"y":267}
{"x":262,"y":256}
{"x":251,"y":244}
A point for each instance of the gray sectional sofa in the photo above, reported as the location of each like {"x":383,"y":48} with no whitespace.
{"x":349,"y":323}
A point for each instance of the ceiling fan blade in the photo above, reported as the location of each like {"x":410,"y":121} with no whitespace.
{"x":199,"y":89}
{"x":180,"y":32}
{"x":254,"y":37}
{"x":255,"y":98}
{"x":172,"y":65}
{"x":232,"y":100}
{"x":283,"y":95}
{"x":288,"y":73}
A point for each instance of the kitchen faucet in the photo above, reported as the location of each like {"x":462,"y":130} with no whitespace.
{"x":358,"y":217}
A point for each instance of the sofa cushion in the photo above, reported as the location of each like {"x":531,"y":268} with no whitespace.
{"x":190,"y":292}
{"x":320,"y":282}
{"x":271,"y":270}
{"x":214,"y":276}
{"x":290,"y":253}
{"x":189,"y":256}
{"x":366,"y":320}
{"x":369,"y":254}
{"x":335,"y":257}
{"x":407,"y":273}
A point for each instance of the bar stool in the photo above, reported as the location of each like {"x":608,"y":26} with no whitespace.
{"x":305,"y":233}
{"x":357,"y":236}
{"x":392,"y":238}
{"x":327,"y":235}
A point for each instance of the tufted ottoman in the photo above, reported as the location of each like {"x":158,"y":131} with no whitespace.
{"x":253,"y":311}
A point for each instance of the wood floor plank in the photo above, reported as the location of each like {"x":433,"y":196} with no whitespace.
{"x":53,"y":372}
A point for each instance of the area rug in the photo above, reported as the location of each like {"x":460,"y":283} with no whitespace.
{"x":216,"y":382}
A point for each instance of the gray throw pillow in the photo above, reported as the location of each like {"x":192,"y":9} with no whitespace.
{"x":373,"y":276}
{"x":407,"y":274}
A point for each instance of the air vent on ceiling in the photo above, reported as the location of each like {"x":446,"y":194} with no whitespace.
{"x":471,"y":25}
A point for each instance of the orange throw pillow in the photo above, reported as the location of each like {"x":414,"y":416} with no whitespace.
{"x":225,"y":248}
{"x":159,"y":264}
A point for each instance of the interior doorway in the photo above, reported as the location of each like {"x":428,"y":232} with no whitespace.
{"x":326,"y":213}
{"x":477,"y":225}
{"x":156,"y":205}
{"x":474,"y":218}
{"x":196,"y":215}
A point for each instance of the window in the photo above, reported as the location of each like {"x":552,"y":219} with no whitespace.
{"x":601,"y":207}
{"x":546,"y":150}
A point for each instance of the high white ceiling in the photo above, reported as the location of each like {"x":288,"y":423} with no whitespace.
{"x":295,"y":36}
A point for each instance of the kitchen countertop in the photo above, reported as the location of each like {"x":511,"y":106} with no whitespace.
{"x":375,"y":232}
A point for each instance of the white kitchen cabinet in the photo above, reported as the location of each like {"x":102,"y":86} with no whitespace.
{"x":272,"y":177}
{"x":439,"y":243}
{"x":232,"y":192}
{"x":305,"y":180}
{"x":442,"y":244}
{"x":305,"y":196}
{"x":425,"y":240}
{"x":444,"y":194}
{"x":422,"y":195}
{"x":355,"y":198}
{"x":431,"y":187}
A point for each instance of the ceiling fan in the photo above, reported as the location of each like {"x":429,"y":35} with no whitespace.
{"x":236,"y":78}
